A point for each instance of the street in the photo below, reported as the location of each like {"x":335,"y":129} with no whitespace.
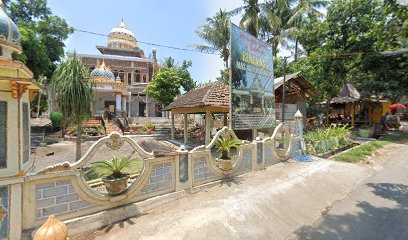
{"x":377,"y":209}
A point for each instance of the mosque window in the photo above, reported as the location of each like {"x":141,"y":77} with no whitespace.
{"x":3,"y":134}
{"x":144,"y":78}
{"x":137,"y":76}
{"x":115,"y":73}
{"x":14,"y":55}
{"x":129,"y":78}
{"x":122,"y":75}
{"x":91,"y":69}
{"x":1,"y":51}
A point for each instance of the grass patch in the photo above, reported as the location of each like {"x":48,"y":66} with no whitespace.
{"x":359,"y":153}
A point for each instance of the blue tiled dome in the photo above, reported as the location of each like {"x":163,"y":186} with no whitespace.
{"x":102,"y":71}
{"x":8,"y":29}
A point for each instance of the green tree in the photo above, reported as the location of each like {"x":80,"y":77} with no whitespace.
{"x":216,"y":32}
{"x":42,"y":35}
{"x":275,"y":28}
{"x":250,"y":18}
{"x":186,"y":81}
{"x":302,"y":10}
{"x":165,"y":86}
{"x":74,"y":94}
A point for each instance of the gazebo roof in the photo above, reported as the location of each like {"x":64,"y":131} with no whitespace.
{"x":213,"y":97}
{"x":348,"y":93}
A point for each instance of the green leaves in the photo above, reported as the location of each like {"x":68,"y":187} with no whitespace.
{"x":165,"y":86}
{"x":73,"y":88}
{"x":113,"y":167}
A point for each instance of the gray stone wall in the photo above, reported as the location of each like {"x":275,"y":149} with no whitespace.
{"x":246,"y":164}
{"x":201,"y":170}
{"x":268,"y":154}
{"x":57,"y":198}
{"x":160,"y":178}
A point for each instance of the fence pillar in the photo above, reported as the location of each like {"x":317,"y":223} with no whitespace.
{"x":297,"y":148}
{"x":183,"y":174}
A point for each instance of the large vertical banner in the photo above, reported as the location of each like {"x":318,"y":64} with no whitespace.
{"x":252,"y":91}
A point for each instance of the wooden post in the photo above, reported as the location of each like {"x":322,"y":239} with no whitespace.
{"x":185,"y":128}
{"x":254,"y":134}
{"x":352,"y":114}
{"x":172,"y":126}
{"x":207,"y":127}
{"x":225,"y":119}
{"x":369,"y":114}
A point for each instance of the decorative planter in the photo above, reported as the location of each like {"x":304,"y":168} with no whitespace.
{"x":116,"y":186}
{"x":225,"y":164}
{"x":281,"y":151}
{"x":366,"y":132}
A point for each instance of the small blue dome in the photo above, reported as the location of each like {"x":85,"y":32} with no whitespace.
{"x":8,"y":30}
{"x":102,"y":71}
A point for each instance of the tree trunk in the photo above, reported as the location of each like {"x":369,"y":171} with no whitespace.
{"x":296,"y":49}
{"x":78,"y":141}
{"x":38,"y":104}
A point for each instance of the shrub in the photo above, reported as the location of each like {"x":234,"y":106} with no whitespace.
{"x":149,"y":126}
{"x":56,"y":119}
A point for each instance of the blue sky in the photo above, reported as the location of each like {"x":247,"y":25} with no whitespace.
{"x":157,"y":21}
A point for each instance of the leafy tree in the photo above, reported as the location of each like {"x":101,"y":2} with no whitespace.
{"x":216,"y":32}
{"x":224,"y":76}
{"x":186,"y":81}
{"x":165,"y":86}
{"x":74,"y":94}
{"x":42,"y":34}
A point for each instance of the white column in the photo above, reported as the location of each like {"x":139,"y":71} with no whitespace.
{"x":207,"y":127}
{"x":118,"y":103}
{"x":123,"y":103}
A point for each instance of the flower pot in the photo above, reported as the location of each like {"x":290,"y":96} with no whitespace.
{"x":116,"y":186}
{"x":281,"y":151}
{"x":225,"y":164}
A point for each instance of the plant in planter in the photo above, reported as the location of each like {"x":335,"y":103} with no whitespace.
{"x":115,"y":179}
{"x":149,"y":127}
{"x":225,"y":144}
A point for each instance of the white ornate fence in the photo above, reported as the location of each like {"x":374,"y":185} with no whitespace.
{"x":62,"y":190}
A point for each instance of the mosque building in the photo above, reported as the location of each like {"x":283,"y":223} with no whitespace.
{"x":121,"y":73}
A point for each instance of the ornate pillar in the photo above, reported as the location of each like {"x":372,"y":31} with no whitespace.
{"x":123,"y":104}
{"x":118,"y":105}
{"x":130,"y":106}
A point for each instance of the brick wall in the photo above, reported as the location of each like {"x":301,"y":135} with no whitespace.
{"x":57,"y":198}
{"x":160,"y":178}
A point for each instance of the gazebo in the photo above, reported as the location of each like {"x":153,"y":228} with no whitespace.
{"x":210,"y":99}
{"x":348,"y":96}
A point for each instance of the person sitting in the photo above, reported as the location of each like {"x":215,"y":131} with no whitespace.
{"x":383,"y":122}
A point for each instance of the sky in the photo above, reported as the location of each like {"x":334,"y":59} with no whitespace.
{"x":162,"y":22}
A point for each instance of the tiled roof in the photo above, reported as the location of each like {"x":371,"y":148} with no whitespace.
{"x":215,"y":94}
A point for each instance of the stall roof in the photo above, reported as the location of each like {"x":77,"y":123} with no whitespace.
{"x":348,"y":93}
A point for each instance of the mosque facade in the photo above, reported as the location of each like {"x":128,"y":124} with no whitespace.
{"x":121,"y":74}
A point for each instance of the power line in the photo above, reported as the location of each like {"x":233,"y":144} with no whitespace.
{"x":149,"y":43}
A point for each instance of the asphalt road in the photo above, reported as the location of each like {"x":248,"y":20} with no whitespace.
{"x":377,"y":209}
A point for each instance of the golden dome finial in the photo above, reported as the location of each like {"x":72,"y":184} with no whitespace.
{"x":52,"y":229}
{"x":122,"y":24}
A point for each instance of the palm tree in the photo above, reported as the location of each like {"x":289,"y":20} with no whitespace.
{"x":305,"y":8}
{"x":274,"y":21}
{"x":73,"y":88}
{"x":216,"y":32}
{"x":250,"y":19}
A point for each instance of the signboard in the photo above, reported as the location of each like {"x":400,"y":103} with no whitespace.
{"x":252,"y":92}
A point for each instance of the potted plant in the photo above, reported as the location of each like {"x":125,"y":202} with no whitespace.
{"x":115,"y":179}
{"x":224,"y":145}
{"x":280,"y":150}
{"x":149,"y":127}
